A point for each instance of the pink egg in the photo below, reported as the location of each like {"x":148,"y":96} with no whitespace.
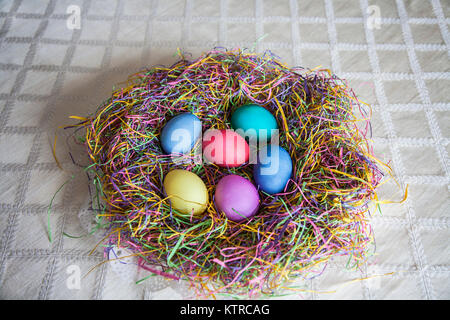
{"x":236,"y":197}
{"x":225,"y":148}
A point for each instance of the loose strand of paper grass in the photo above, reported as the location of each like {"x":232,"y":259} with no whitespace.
{"x":49,"y":232}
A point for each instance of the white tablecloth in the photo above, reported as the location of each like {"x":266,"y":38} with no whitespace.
{"x":62,"y":58}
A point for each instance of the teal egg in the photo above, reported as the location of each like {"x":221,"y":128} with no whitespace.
{"x":253,"y":116}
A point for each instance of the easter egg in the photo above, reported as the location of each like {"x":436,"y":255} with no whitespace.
{"x":180,"y":133}
{"x":256,"y":121}
{"x":186,"y":191}
{"x":225,"y":148}
{"x":273,"y":169}
{"x":237,"y":197}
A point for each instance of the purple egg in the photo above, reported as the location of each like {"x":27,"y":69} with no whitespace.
{"x":236,"y":197}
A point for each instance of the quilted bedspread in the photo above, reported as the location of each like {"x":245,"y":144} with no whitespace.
{"x":63,"y":58}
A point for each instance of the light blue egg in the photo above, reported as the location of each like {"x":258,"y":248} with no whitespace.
{"x":273,"y":169}
{"x":180,"y":133}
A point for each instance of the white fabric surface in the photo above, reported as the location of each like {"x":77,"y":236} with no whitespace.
{"x":50,"y":70}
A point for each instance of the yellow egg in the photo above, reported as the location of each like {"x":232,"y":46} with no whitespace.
{"x":186,"y":191}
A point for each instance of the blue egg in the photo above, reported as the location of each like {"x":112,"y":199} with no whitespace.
{"x":180,"y":133}
{"x":273,"y":169}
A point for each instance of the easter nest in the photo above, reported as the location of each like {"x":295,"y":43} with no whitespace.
{"x":322,"y":212}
